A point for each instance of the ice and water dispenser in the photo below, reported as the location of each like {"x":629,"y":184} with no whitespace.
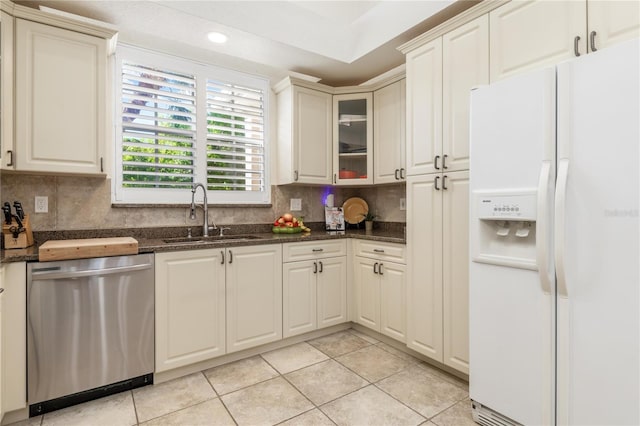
{"x":506,"y":233}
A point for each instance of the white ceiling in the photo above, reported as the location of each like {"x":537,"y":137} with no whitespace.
{"x":341,"y":42}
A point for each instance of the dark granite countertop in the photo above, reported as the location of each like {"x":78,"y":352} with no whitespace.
{"x":151,"y":240}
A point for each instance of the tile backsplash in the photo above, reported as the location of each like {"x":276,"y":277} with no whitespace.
{"x":85,"y":203}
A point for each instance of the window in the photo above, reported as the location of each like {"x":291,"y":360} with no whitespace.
{"x":181,"y":123}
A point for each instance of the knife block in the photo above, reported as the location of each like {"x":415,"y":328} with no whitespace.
{"x":25,"y":238}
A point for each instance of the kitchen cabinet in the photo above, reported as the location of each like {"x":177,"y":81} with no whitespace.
{"x":437,"y":244}
{"x":380,"y":288}
{"x":61,"y":104}
{"x":14,"y":337}
{"x":314,"y":286}
{"x":389,"y":107}
{"x":2,"y":391}
{"x":533,"y":34}
{"x":440,"y":76}
{"x":190,"y":307}
{"x":7,"y":150}
{"x":305,"y":151}
{"x":254,"y":295}
{"x":353,"y":139}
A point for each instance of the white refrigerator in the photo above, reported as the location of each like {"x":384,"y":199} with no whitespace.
{"x":555,"y":244}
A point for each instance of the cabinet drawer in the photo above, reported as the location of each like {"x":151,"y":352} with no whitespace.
{"x":313,"y":250}
{"x":380,"y":251}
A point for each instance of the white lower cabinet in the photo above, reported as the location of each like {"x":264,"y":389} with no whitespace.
{"x":380,"y":288}
{"x":314,"y":290}
{"x":254,"y":296}
{"x":190,"y":307}
{"x":438,"y":282}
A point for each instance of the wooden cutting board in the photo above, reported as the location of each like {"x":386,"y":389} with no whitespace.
{"x":85,"y":248}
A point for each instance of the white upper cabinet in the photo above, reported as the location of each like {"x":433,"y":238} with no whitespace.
{"x":7,"y":150}
{"x":389,"y":106}
{"x":465,"y":65}
{"x":531,"y":34}
{"x":60,"y":99}
{"x":353,"y":139}
{"x":424,"y":108}
{"x":304,"y":135}
{"x":612,"y":21}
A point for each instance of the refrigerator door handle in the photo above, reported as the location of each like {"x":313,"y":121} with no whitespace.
{"x":560,"y":220}
{"x":542,"y":225}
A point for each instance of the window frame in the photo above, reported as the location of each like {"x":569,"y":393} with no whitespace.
{"x":201,"y":72}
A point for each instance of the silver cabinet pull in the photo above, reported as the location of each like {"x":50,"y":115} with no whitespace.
{"x":380,"y":269}
{"x":378,"y":250}
{"x":101,"y":164}
{"x":435,"y":185}
{"x":230,"y":257}
{"x":575,"y":45}
{"x":592,"y":38}
{"x":320,"y":267}
{"x":10,"y":162}
{"x":295,"y":175}
{"x":444,"y":182}
{"x":396,"y":174}
{"x":316,"y":250}
{"x":435,"y":162}
{"x":444,"y":159}
{"x":375,"y":268}
{"x":402,"y":173}
{"x":335,"y":179}
{"x":1,"y":290}
{"x":222,"y":257}
{"x":315,"y":267}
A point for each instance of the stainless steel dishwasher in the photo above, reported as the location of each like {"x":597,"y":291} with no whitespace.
{"x":90,"y":329}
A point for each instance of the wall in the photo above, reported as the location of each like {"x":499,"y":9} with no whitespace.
{"x":85,"y":203}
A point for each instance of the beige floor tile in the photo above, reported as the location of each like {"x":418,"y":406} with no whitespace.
{"x":458,"y":415}
{"x":32,"y":421}
{"x":370,"y":406}
{"x":268,"y":402}
{"x":402,"y":355}
{"x":294,"y":357}
{"x":207,"y":413}
{"x":364,"y":336}
{"x":445,"y":376}
{"x":240,"y":374}
{"x":425,"y":393}
{"x":340,"y":343}
{"x":111,"y":410}
{"x":326,"y":381}
{"x":314,"y":417}
{"x":372,"y":363}
{"x":158,"y":400}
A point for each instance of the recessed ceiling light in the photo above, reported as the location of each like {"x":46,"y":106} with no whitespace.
{"x":217,"y":37}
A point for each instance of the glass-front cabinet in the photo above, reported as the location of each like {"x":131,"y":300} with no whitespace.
{"x":352,"y":139}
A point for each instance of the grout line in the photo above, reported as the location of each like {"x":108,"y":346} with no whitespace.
{"x":135,"y":409}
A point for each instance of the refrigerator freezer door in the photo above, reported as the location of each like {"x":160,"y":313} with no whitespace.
{"x":598,"y":318}
{"x":511,"y":308}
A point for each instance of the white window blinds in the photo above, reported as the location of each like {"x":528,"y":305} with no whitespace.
{"x":182,"y":123}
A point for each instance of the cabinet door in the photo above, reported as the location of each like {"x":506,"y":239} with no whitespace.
{"x":7,"y":150}
{"x":254,"y":296}
{"x":2,"y":391}
{"x":312,"y":132}
{"x":455,"y":248}
{"x":465,"y":64}
{"x":393,"y":301}
{"x":424,"y":265}
{"x":60,"y":99}
{"x":424,"y":108}
{"x":367,"y":293}
{"x":353,"y":139}
{"x":299,"y":297}
{"x":612,"y":21}
{"x":389,"y":107}
{"x":531,"y":34}
{"x":332,"y":291}
{"x":190,"y":307}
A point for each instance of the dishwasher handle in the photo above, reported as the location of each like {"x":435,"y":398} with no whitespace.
{"x":58,"y":275}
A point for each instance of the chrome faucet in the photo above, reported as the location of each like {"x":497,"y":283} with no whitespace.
{"x":205,"y":225}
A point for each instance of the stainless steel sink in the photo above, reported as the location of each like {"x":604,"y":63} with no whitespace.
{"x":211,"y":239}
